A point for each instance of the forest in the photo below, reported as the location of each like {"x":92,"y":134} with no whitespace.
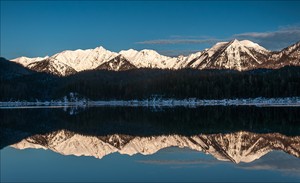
{"x":18,"y":83}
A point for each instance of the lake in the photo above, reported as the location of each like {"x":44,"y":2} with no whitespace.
{"x":180,"y":144}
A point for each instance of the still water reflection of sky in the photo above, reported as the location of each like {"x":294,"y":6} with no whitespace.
{"x":170,"y":164}
{"x":266,"y":138}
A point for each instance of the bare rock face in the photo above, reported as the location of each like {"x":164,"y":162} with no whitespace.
{"x":118,"y":63}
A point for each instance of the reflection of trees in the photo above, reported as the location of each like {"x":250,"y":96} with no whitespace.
{"x":145,"y":122}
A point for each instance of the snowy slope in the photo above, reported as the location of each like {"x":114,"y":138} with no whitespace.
{"x":236,"y":147}
{"x":148,"y":59}
{"x":235,"y":55}
{"x":52,"y":67}
{"x":84,"y":59}
{"x":287,"y":56}
{"x":184,"y":61}
{"x":66,"y":62}
{"x":25,"y":61}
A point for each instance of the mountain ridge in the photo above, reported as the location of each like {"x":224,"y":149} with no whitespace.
{"x":235,"y":147}
{"x":234,"y":55}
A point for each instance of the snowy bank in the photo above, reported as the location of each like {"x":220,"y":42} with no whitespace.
{"x":191,"y":102}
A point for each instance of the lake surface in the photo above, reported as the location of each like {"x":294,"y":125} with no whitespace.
{"x":150,"y":144}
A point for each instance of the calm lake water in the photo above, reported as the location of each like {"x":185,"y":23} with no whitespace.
{"x":150,"y":144}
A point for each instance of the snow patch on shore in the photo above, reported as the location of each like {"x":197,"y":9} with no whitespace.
{"x":73,"y":101}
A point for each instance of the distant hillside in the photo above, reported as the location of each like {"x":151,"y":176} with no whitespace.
{"x":9,"y":70}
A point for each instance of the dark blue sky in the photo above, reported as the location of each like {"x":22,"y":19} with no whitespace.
{"x":39,"y":28}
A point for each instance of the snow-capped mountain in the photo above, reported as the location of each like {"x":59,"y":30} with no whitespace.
{"x":25,"y":61}
{"x":68,"y":62}
{"x":51,"y":66}
{"x":236,"y":147}
{"x":81,"y":60}
{"x":235,"y":55}
{"x":287,"y":56}
{"x":147,"y":59}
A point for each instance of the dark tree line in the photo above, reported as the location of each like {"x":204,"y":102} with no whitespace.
{"x":146,"y":83}
{"x":213,"y":84}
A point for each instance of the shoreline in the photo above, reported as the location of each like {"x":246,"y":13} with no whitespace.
{"x":191,"y":102}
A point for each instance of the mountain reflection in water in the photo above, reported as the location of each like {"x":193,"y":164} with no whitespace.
{"x":236,"y":134}
{"x":236,"y":147}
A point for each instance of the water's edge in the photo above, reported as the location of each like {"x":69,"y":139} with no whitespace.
{"x":191,"y":102}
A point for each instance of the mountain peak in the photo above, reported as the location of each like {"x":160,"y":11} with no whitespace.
{"x":236,"y":55}
{"x":234,"y":41}
{"x":250,"y":44}
{"x":128,"y":52}
{"x":147,"y":51}
{"x":100,"y":48}
{"x":247,"y":44}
